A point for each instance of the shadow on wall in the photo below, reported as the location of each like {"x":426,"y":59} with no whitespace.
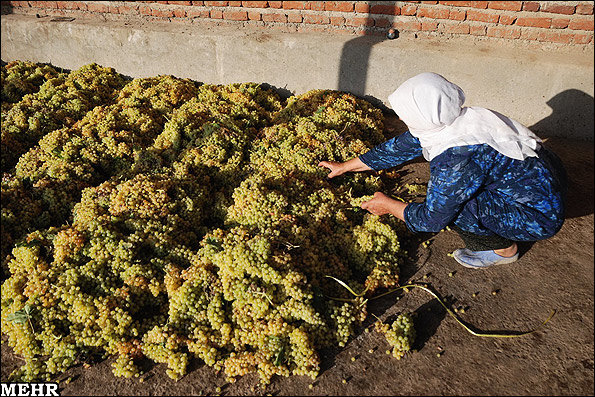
{"x":5,"y":8}
{"x":572,"y":115}
{"x":353,"y":67}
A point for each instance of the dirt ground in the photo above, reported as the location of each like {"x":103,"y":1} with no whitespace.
{"x":555,"y":274}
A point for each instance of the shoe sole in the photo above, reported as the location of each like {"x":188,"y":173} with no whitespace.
{"x":504,"y":261}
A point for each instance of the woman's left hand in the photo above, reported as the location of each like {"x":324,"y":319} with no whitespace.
{"x":381,"y":204}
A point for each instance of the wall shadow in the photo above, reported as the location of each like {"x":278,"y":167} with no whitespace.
{"x":353,"y":67}
{"x":355,"y":56}
{"x":572,"y":115}
{"x":572,"y":109}
{"x":5,"y":8}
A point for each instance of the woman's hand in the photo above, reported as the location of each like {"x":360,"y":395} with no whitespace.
{"x":355,"y":164}
{"x":335,"y":167}
{"x":381,"y":204}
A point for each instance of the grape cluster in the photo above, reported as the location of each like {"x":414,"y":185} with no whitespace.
{"x":20,"y":78}
{"x":60,"y":102}
{"x":400,"y":334}
{"x":167,"y":220}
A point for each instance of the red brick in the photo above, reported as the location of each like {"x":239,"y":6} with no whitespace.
{"x":434,"y":13}
{"x":582,"y":38}
{"x":359,"y":21}
{"x":235,"y":3}
{"x":198,"y":3}
{"x":472,"y":4}
{"x":482,"y":16}
{"x":429,"y":25}
{"x":506,"y":5}
{"x":537,"y":22}
{"x":180,"y":3}
{"x":457,"y":15}
{"x":453,"y":28}
{"x":555,"y":37}
{"x":179,"y":13}
{"x":254,"y":4}
{"x":274,"y":18}
{"x":68,"y":5}
{"x":557,"y":8}
{"x":145,"y":10}
{"x":275,"y":4}
{"x":193,"y":13}
{"x":294,"y":18}
{"x":95,"y":7}
{"x":408,"y":9}
{"x":216,"y":14}
{"x":382,"y":22}
{"x":160,"y":2}
{"x":254,"y":16}
{"x":38,"y":4}
{"x":531,"y":6}
{"x":507,"y":32}
{"x":560,"y":23}
{"x":584,"y":9}
{"x":317,"y":5}
{"x":296,"y":5}
{"x":581,"y":24}
{"x":386,"y":10}
{"x":316,"y":19}
{"x":235,"y":15}
{"x":337,"y":21}
{"x":341,"y":6}
{"x":215,"y":3}
{"x":477,"y":30}
{"x":530,"y":34}
{"x":362,"y":7}
{"x":407,"y":25}
{"x":506,"y":19}
{"x":429,"y":2}
{"x":162,"y":13}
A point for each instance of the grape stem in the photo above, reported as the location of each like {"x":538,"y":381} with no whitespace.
{"x":470,"y":329}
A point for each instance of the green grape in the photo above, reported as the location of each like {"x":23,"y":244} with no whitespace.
{"x":161,"y":219}
{"x":400,"y":334}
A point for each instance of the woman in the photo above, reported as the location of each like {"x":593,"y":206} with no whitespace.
{"x":491,"y":179}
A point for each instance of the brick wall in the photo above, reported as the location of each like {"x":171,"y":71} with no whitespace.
{"x":564,"y":22}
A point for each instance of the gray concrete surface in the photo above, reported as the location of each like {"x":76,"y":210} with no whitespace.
{"x":547,"y":87}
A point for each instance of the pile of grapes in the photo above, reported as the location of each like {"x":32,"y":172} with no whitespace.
{"x":162,"y":219}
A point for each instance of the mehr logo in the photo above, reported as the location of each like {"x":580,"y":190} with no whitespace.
{"x":29,"y":389}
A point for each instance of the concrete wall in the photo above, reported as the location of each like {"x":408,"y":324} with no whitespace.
{"x":548,"y":88}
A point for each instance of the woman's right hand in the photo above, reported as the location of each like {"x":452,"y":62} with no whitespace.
{"x":335,"y":167}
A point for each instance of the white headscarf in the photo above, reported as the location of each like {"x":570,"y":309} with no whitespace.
{"x":431,"y":106}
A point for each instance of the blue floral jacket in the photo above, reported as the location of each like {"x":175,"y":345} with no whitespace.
{"x":481,"y":190}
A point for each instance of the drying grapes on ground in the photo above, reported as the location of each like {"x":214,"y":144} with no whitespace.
{"x":166,"y":220}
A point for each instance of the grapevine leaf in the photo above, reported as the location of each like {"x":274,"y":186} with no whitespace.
{"x":20,"y":316}
{"x":280,"y":357}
